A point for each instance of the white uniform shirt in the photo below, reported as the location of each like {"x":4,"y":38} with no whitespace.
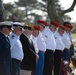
{"x":41,"y":42}
{"x":34,"y":39}
{"x":16,"y":47}
{"x":66,"y":40}
{"x":59,"y":42}
{"x":49,"y":39}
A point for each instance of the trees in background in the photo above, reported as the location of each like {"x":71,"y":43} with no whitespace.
{"x":2,"y":16}
{"x":51,"y":7}
{"x":13,"y":13}
{"x":74,"y":28}
{"x":36,"y":9}
{"x":55,"y":12}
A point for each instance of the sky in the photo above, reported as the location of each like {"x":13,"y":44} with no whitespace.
{"x":64,"y":3}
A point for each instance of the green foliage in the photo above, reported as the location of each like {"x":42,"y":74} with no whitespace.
{"x":30,"y":6}
{"x":75,"y":43}
{"x":8,"y":7}
{"x":2,"y":15}
{"x":25,"y":3}
{"x":13,"y":13}
{"x":17,"y":15}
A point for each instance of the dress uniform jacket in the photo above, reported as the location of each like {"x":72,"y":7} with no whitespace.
{"x":5,"y":55}
{"x":29,"y":60}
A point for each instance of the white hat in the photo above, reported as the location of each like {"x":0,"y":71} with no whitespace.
{"x":18,"y":24}
{"x":6,"y":23}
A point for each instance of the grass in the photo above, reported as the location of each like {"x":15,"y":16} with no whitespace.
{"x":74,"y":35}
{"x":75,"y":43}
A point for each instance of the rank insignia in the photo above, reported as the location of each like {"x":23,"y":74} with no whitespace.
{"x":46,"y":36}
{"x":13,"y":36}
{"x":55,"y":37}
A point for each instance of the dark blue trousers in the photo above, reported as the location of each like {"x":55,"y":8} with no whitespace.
{"x":16,"y":66}
{"x":66,"y":55}
{"x":5,"y":67}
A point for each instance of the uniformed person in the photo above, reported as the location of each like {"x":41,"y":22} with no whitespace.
{"x":50,"y":47}
{"x":34,"y":39}
{"x":35,"y":34}
{"x":5,"y":53}
{"x":29,"y":62}
{"x":69,"y":28}
{"x":42,"y":48}
{"x":67,"y":42}
{"x":16,"y":48}
{"x":59,"y":48}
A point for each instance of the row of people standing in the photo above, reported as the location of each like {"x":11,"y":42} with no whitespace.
{"x":32,"y":49}
{"x":11,"y":52}
{"x":57,"y":41}
{"x":50,"y":42}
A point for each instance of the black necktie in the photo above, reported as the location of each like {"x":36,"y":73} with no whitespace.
{"x":7,"y":39}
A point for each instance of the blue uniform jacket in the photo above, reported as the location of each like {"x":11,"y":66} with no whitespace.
{"x":5,"y":55}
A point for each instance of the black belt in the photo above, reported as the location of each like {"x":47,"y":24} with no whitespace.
{"x":16,"y":59}
{"x":41,"y":51}
{"x":50,"y":50}
{"x":58,"y":50}
{"x":66,"y":48}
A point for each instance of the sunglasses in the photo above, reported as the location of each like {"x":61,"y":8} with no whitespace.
{"x":28,"y":28}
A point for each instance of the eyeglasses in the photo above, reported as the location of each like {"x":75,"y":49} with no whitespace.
{"x":28,"y":28}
